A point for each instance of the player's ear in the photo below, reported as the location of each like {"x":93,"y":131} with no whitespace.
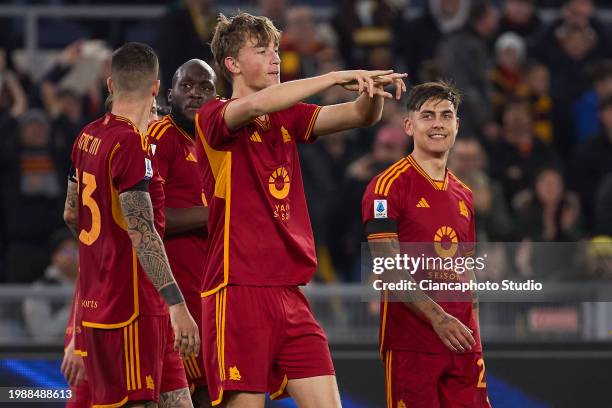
{"x":155,"y":88}
{"x":109,"y":85}
{"x":408,"y":125}
{"x":232,"y":65}
{"x":169,"y":95}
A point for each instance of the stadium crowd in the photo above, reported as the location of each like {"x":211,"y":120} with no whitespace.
{"x":534,"y":145}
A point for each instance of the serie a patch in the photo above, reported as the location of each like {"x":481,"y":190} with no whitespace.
{"x":380,"y":208}
{"x":148,"y":169}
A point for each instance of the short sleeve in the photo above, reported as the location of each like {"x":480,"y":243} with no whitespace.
{"x":211,"y":125}
{"x":130,"y":163}
{"x":304,"y":118}
{"x":380,"y":209}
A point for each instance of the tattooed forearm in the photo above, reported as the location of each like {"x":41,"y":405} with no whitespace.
{"x":138,"y":213}
{"x":70,"y":207}
{"x":175,"y":399}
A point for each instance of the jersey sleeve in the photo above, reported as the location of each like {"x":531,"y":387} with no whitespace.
{"x":380,"y":212}
{"x":130,"y":163}
{"x":211,"y":125}
{"x":304,"y":118}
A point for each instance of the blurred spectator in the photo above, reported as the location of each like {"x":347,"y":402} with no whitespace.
{"x":390,"y":145}
{"x":579,"y":13}
{"x":468,"y":162}
{"x":547,"y":211}
{"x":95,"y":91}
{"x":568,"y":47}
{"x":365,"y":30}
{"x":587,"y":107}
{"x":465,"y":58}
{"x":535,"y":88}
{"x":440,"y":18}
{"x":65,"y":127}
{"x":516,"y":157}
{"x":46,"y":319}
{"x":593,"y":162}
{"x":301,"y":47}
{"x":323,"y":170}
{"x":275,"y":10}
{"x":510,"y":51}
{"x":184,"y":33}
{"x":520,"y":17}
{"x":12,"y":97}
{"x":32,"y":196}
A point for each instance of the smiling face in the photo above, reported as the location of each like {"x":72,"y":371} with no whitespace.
{"x":434,"y":127}
{"x":257,"y":65}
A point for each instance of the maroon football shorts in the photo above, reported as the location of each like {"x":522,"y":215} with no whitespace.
{"x":81,"y":396}
{"x":257,"y":338}
{"x":425,"y":380}
{"x":133,"y":363}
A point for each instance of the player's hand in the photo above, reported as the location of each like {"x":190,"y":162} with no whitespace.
{"x":72,"y":367}
{"x":359,"y":79}
{"x":379,"y":83}
{"x":186,"y":333}
{"x":454,"y":334}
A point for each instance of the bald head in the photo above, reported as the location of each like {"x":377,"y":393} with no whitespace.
{"x":193,"y":84}
{"x":193,"y":64}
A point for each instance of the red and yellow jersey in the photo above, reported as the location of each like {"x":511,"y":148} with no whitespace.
{"x":175,"y":157}
{"x":110,"y":156}
{"x":439,"y":216}
{"x":258,"y":225}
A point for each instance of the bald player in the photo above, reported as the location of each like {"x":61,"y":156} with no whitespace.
{"x":172,"y":139}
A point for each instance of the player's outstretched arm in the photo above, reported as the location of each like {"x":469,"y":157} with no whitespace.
{"x":138,"y":213}
{"x":366,"y":110}
{"x":71,"y":211}
{"x":278,"y":97}
{"x":181,"y":220}
{"x":454,"y":334}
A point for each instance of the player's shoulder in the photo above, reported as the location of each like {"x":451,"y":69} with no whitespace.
{"x":459,"y":185}
{"x":393,"y":178}
{"x":212,"y":105}
{"x":158,"y":130}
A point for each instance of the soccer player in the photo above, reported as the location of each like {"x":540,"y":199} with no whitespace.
{"x":133,"y":314}
{"x":259,"y":334}
{"x":175,"y":156}
{"x":432,"y":352}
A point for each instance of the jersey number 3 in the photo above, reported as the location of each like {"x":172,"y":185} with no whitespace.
{"x":89,"y":186}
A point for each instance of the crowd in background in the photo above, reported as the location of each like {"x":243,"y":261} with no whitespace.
{"x":535,"y":139}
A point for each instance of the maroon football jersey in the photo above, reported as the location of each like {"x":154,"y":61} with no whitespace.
{"x":110,"y":156}
{"x":258,"y":225}
{"x":426,"y":211}
{"x":174,"y":156}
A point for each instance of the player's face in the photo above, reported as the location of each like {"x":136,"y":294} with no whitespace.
{"x":434,"y":127}
{"x":194,"y":87}
{"x":259,"y":64}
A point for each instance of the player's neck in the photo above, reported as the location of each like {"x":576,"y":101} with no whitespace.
{"x":434,"y":166}
{"x":136,"y":112}
{"x":240,"y":89}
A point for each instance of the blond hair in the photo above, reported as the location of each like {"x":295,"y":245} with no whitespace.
{"x":232,"y":33}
